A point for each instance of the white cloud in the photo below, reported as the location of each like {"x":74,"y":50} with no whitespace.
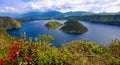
{"x":10,"y":8}
{"x":63,"y":5}
{"x":76,"y":5}
{"x":7,"y":9}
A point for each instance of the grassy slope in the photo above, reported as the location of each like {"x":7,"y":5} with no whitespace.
{"x":8,"y":23}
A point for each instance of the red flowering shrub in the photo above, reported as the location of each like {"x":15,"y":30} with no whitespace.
{"x":2,"y":61}
{"x":12,"y":59}
{"x":14,"y":50}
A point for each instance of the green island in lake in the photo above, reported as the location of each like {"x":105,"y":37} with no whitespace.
{"x":53,"y":25}
{"x":73,"y":26}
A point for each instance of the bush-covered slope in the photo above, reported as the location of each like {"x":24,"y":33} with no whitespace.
{"x":41,"y":52}
{"x":7,"y":23}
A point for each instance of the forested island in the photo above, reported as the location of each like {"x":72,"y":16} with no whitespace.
{"x":70,"y":26}
{"x":73,"y":26}
{"x":53,"y":24}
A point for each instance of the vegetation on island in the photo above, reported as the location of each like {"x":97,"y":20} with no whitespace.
{"x":53,"y":24}
{"x":73,"y":26}
{"x":19,"y":51}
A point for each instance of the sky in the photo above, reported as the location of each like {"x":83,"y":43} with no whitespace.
{"x":60,"y":5}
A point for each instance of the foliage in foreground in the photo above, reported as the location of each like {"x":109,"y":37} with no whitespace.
{"x":41,"y":52}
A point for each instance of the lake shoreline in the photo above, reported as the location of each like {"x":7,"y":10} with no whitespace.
{"x":117,"y":23}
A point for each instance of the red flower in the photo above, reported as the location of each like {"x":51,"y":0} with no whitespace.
{"x":14,"y":50}
{"x":2,"y":61}
{"x":17,"y":38}
{"x":12,"y":59}
{"x":17,"y":53}
{"x":29,"y":59}
{"x":12,"y":44}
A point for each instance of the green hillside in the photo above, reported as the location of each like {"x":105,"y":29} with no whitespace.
{"x":113,"y":19}
{"x":8,"y":23}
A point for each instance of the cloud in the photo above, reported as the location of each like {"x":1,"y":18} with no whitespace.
{"x":76,"y":5}
{"x":8,"y":9}
{"x":61,"y":5}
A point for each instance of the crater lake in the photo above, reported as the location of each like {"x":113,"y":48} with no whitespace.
{"x":100,"y":33}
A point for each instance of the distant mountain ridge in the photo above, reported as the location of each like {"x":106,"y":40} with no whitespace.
{"x":9,"y":14}
{"x":77,"y":13}
{"x":48,"y":14}
{"x":51,"y":14}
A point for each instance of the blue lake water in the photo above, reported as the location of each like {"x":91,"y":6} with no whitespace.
{"x":100,"y":33}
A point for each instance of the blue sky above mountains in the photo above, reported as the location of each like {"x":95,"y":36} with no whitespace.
{"x":60,"y":5}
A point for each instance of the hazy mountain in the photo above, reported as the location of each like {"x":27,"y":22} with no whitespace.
{"x":9,"y":14}
{"x":108,"y":13}
{"x":40,"y":14}
{"x":77,"y":13}
{"x":52,"y":14}
{"x":48,"y":14}
{"x":33,"y":14}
